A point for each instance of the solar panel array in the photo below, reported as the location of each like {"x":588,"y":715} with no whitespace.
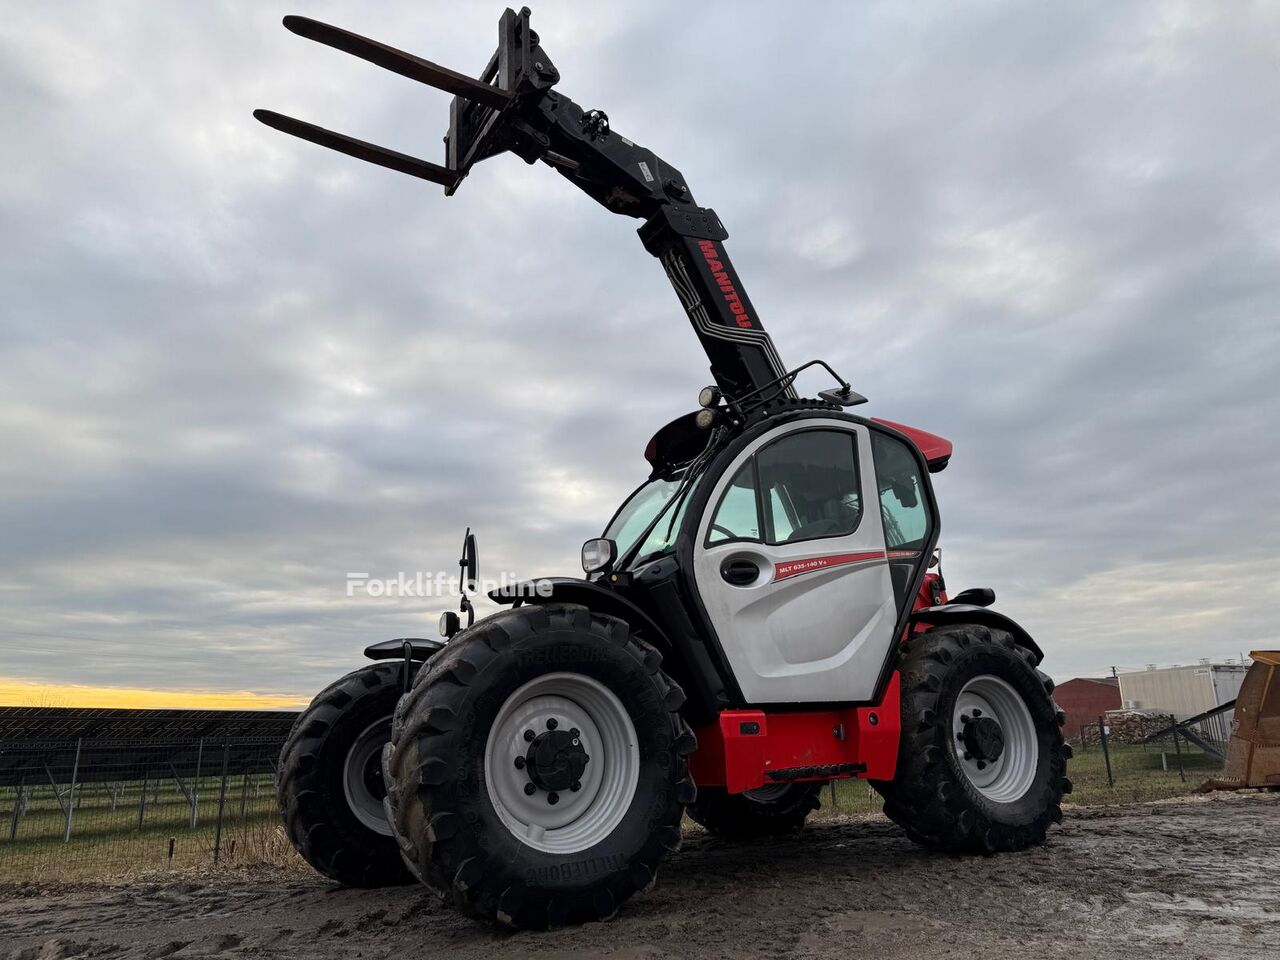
{"x":47,"y":724}
{"x":89,"y":744}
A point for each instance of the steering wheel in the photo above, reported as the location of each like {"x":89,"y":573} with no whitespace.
{"x":717,"y":528}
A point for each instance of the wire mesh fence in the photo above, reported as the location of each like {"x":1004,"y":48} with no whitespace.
{"x":93,"y":808}
{"x":1125,"y":762}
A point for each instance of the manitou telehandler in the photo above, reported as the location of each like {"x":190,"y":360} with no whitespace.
{"x":758,"y":619}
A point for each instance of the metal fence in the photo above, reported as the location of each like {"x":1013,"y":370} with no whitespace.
{"x":1161,"y":757}
{"x":93,"y":807}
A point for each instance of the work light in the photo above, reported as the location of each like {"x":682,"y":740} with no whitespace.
{"x":598,"y":555}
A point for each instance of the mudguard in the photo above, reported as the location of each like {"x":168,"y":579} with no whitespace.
{"x":589,"y":594}
{"x":971,"y":613}
{"x":420,"y":648}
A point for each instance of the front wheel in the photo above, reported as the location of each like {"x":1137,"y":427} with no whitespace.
{"x":981,"y":763}
{"x":538,"y":769}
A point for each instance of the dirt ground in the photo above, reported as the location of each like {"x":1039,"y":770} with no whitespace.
{"x":1196,"y":877}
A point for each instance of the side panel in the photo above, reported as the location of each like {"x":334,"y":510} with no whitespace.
{"x":746,"y":749}
{"x":817,"y":624}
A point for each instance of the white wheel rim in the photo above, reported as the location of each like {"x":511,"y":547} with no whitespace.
{"x":1007,"y":778}
{"x":364,"y":758}
{"x":580,"y":818}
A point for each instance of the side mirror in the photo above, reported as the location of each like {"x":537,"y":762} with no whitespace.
{"x":598,"y":555}
{"x":905,"y":491}
{"x":470,"y":562}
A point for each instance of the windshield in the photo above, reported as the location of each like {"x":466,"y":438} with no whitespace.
{"x":638,"y":512}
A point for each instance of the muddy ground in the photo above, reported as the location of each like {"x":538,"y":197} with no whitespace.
{"x":1176,"y":879}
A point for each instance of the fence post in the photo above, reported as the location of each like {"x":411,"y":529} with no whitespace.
{"x":1177,"y":748}
{"x":244,"y":794}
{"x":71,"y":793}
{"x":142,"y":797}
{"x":1106,"y":750}
{"x":18,"y":798}
{"x":222,"y":800}
{"x":195,"y":784}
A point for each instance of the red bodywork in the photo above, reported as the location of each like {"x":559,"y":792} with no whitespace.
{"x":745,"y":746}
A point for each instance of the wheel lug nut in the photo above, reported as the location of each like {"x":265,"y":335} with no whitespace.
{"x":575,"y":786}
{"x":530,"y":789}
{"x":575,"y":732}
{"x":552,"y":723}
{"x":968,"y":755}
{"x":977,"y":712}
{"x":553,"y":798}
{"x":982,"y":764}
{"x":965,"y":718}
{"x":519,"y":763}
{"x":528,"y":736}
{"x":959,"y":737}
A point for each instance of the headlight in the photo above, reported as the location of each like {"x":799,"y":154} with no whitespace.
{"x":598,"y":555}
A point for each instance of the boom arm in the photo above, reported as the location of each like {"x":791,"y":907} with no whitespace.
{"x":512,"y":107}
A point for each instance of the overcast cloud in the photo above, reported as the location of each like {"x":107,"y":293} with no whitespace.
{"x":234,"y":366}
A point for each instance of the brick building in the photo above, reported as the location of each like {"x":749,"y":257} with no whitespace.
{"x":1083,"y":699}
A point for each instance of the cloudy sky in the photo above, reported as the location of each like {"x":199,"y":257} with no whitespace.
{"x":234,"y":367}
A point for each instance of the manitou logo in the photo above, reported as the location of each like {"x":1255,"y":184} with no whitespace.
{"x":721,"y":275}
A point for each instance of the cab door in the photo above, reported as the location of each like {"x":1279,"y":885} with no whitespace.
{"x":792,"y":568}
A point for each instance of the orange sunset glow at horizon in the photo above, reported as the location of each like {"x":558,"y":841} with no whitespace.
{"x":31,"y":693}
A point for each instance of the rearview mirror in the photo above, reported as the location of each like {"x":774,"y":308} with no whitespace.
{"x":905,"y":491}
{"x":470,"y":562}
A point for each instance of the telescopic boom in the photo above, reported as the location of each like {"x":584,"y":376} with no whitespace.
{"x":512,"y":108}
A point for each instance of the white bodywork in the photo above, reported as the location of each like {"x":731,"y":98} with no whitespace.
{"x":795,"y":636}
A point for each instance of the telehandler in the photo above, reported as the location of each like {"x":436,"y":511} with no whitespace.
{"x":759,"y":618}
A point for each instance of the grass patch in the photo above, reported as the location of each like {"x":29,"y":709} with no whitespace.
{"x":115,"y":832}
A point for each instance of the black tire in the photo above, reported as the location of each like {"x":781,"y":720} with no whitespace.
{"x":768,"y":812}
{"x":931,"y":796}
{"x":441,"y":800}
{"x":318,"y":816}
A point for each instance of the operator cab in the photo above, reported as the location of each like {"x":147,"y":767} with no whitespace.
{"x":799,"y":543}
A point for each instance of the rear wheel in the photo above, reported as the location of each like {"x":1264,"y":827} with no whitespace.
{"x":537,"y":769}
{"x":775,"y":808}
{"x":982,"y":763}
{"x":331,"y":787}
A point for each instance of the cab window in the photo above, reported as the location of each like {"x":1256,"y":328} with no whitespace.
{"x":902,"y":501}
{"x":810,"y":486}
{"x":736,"y":518}
{"x":801,"y":487}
